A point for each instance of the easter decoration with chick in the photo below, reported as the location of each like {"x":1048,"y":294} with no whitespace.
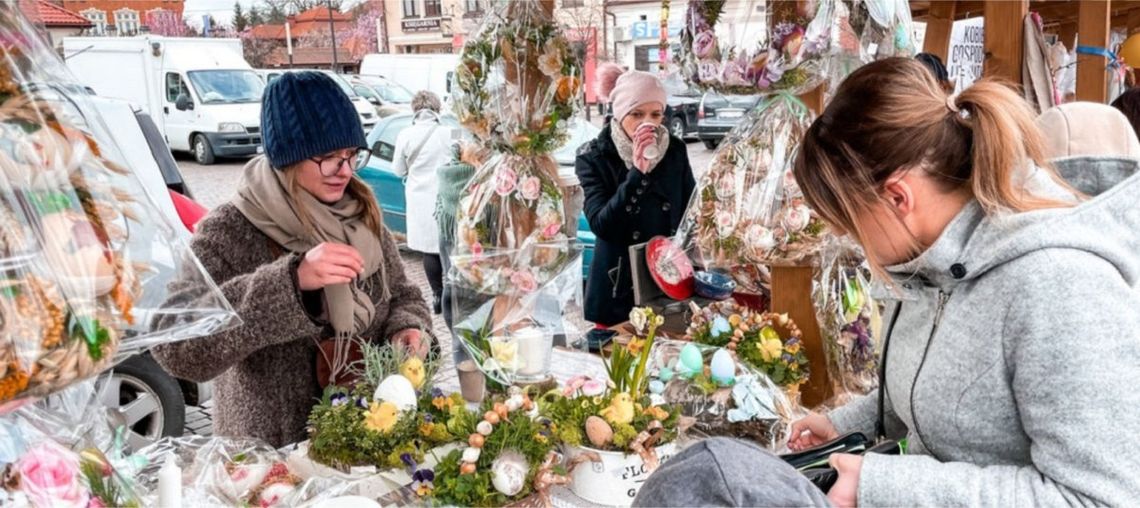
{"x":392,"y":410}
{"x":616,"y":419}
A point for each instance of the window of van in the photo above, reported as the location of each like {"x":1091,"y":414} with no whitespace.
{"x":175,"y":86}
{"x":227,"y":86}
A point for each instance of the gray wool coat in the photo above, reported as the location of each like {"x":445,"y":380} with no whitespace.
{"x":264,"y":370}
{"x":1014,"y":364}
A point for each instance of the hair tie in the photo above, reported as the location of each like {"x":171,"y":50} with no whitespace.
{"x":951,"y":104}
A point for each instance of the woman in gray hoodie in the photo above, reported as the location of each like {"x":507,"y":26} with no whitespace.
{"x":1012,"y":351}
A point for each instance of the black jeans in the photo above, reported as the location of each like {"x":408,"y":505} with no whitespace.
{"x":433,"y":269}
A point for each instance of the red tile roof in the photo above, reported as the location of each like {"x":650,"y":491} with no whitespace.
{"x":322,"y":14}
{"x":53,"y":15}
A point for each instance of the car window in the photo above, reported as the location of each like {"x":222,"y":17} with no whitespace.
{"x":175,"y":86}
{"x":365,"y":92}
{"x":385,"y":145}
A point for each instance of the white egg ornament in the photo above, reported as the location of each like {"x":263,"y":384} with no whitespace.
{"x":723,"y":368}
{"x":397,"y":390}
{"x":508,"y":473}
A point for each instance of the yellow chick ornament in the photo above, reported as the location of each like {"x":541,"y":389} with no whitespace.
{"x":381,"y":417}
{"x":620,"y":410}
{"x":413,"y":369}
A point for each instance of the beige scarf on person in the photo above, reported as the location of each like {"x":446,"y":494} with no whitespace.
{"x":265,"y":200}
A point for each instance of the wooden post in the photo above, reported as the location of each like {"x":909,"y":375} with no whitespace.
{"x":1005,"y":38}
{"x":1092,"y":30}
{"x":938,"y":28}
{"x":791,"y":295}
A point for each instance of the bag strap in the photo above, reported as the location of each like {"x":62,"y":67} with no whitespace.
{"x":411,"y":157}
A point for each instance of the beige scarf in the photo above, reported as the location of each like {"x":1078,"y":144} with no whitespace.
{"x":265,"y":200}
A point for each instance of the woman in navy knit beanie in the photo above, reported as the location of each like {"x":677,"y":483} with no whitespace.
{"x":303,"y":257}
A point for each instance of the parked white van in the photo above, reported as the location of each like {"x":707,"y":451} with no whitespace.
{"x":368,"y":114}
{"x":414,"y":71}
{"x":202,"y":94}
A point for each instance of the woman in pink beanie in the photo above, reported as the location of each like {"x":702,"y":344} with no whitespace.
{"x":637,"y":181}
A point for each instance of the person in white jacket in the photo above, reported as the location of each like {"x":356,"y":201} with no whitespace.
{"x":420,"y":150}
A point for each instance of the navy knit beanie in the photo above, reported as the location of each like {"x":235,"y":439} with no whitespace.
{"x":305,"y":115}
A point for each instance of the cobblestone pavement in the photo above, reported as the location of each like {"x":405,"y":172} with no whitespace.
{"x":217,"y":184}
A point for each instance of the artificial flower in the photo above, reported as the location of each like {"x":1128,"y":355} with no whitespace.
{"x":49,"y":476}
{"x":725,"y":223}
{"x":505,"y":181}
{"x":573,"y":385}
{"x":530,"y":188}
{"x":771,"y":349}
{"x":568,"y":88}
{"x":593,"y":388}
{"x":703,"y":44}
{"x":656,"y":412}
{"x":792,"y":44}
{"x":725,"y":187}
{"x":796,"y":218}
{"x":550,"y":62}
{"x":381,"y":417}
{"x":634,"y":346}
{"x":505,"y":352}
{"x":639,"y":319}
{"x":413,"y":369}
{"x":708,"y":72}
{"x":524,"y":281}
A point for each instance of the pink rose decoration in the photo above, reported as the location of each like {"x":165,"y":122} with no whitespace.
{"x":704,"y":44}
{"x":760,"y":238}
{"x":708,"y":72}
{"x":49,"y":476}
{"x":531,"y":188}
{"x":734,"y":74}
{"x":573,"y":385}
{"x":724,"y":223}
{"x":797,"y":218}
{"x":593,"y":388}
{"x":524,"y":281}
{"x":725,"y":187}
{"x":477,"y":250}
{"x":505,"y":181}
{"x":552,"y":230}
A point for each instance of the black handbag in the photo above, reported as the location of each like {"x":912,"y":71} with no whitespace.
{"x":813,"y":462}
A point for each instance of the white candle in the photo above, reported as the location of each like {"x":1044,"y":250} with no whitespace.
{"x":534,"y":350}
{"x":170,"y":484}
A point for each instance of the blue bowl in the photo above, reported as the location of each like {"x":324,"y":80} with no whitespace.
{"x":714,"y":285}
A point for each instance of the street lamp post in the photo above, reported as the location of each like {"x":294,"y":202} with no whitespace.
{"x":332,"y":33}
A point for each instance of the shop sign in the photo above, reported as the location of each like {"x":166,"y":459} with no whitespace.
{"x":420,"y":25}
{"x":652,"y":30}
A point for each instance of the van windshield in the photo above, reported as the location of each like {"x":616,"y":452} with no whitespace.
{"x":227,"y":87}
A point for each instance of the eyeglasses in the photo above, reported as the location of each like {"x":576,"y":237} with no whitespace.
{"x":331,"y":164}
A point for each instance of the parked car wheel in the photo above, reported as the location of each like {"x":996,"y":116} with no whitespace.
{"x":711,"y":144}
{"x":677,"y":127}
{"x":203,"y":152}
{"x":145,"y":399}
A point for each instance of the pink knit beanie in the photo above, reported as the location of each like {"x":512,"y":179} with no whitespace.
{"x":628,"y":89}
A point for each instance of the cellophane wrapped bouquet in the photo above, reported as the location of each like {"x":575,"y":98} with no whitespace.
{"x":748,"y":211}
{"x":733,"y":48}
{"x":512,"y":316}
{"x":85,"y":254}
{"x":850,"y":319}
{"x":869,"y":30}
{"x":518,"y":88}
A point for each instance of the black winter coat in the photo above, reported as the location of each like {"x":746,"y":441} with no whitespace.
{"x":626,"y":207}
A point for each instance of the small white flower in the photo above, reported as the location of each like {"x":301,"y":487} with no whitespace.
{"x":638,"y":319}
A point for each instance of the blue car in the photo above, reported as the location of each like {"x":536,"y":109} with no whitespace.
{"x":389,"y":188}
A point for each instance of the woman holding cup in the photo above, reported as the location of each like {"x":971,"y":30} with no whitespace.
{"x":637,"y":181}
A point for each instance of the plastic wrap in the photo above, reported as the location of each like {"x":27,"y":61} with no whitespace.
{"x":519,"y":83}
{"x":219,"y":471}
{"x":850,"y":320}
{"x":868,"y":30}
{"x":747,"y":209}
{"x":510,"y":314}
{"x":743,"y":55}
{"x":749,"y":406}
{"x":85,"y":255}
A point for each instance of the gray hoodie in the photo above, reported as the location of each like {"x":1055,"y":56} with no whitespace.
{"x":1014,"y":363}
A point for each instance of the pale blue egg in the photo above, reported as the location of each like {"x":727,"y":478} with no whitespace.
{"x":656,"y":386}
{"x":720,"y":326}
{"x":665,"y":374}
{"x":691,"y":358}
{"x":722,"y":368}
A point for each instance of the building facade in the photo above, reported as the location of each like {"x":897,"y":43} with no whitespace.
{"x":122,"y":17}
{"x":59,"y":22}
{"x":430,"y":26}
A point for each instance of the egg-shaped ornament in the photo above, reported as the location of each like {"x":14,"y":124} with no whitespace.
{"x":508,"y":473}
{"x":691,"y":361}
{"x":722,"y":368}
{"x":656,"y":386}
{"x":397,"y":390}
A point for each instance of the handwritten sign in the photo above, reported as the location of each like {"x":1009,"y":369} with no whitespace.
{"x":967,"y":52}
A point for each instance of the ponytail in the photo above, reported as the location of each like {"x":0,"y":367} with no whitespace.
{"x":1005,"y":142}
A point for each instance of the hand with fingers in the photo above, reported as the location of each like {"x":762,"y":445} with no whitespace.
{"x":329,"y":264}
{"x":811,"y":431}
{"x":644,"y":146}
